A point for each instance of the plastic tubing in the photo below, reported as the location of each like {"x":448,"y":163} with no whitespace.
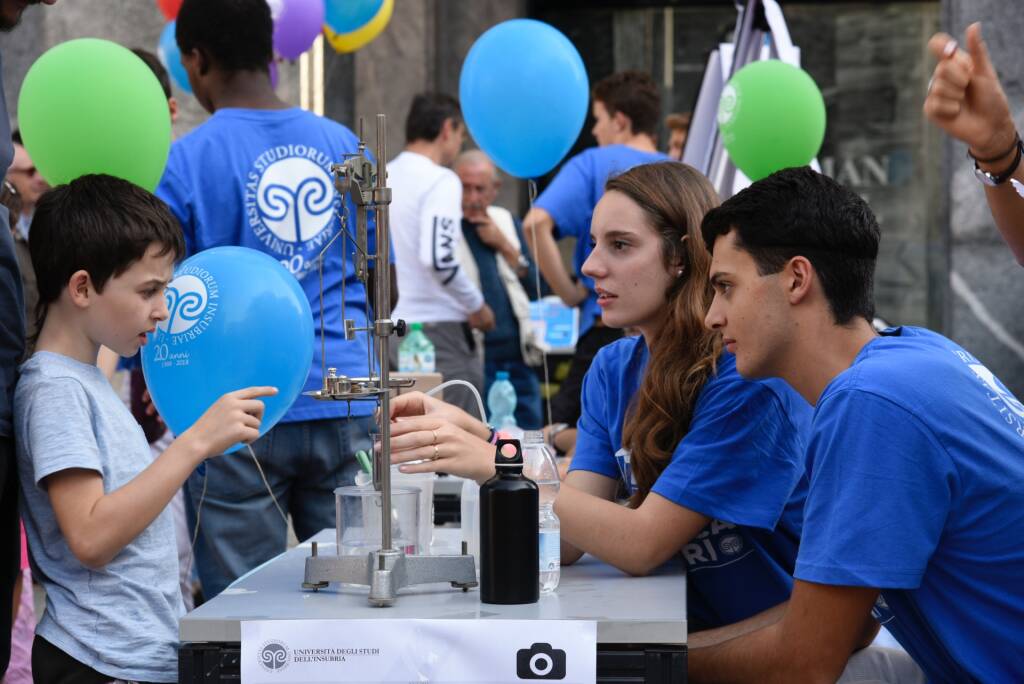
{"x":476,"y":395}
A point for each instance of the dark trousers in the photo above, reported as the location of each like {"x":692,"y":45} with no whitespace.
{"x":10,"y":544}
{"x":50,"y":665}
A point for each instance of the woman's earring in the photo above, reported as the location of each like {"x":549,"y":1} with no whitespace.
{"x":679,"y":273}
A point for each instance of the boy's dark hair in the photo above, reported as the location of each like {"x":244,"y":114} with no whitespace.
{"x":16,"y":137}
{"x":801,"y":212}
{"x":633,"y":93}
{"x":427,"y":115}
{"x":100,"y":224}
{"x":153,"y":62}
{"x":236,"y":34}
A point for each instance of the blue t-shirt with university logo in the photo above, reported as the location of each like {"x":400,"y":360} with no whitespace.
{"x":570,"y":199}
{"x":741,"y":463}
{"x":262,"y":179}
{"x":916,"y":463}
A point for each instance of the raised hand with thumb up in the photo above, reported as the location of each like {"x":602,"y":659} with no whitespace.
{"x":966,"y":99}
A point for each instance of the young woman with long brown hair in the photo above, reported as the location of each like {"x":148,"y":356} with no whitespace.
{"x":713,"y":464}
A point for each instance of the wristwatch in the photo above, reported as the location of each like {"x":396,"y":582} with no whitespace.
{"x":522,"y":266}
{"x":994,"y":179}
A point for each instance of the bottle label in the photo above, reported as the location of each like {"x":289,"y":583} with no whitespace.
{"x":550,"y":555}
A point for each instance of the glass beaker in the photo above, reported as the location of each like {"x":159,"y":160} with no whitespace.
{"x":358,"y":512}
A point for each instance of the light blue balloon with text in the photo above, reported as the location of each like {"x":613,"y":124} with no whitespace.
{"x":237,"y":318}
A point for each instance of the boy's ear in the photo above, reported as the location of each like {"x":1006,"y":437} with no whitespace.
{"x":80,"y":288}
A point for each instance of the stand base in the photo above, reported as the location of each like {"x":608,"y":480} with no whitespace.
{"x":386,"y":572}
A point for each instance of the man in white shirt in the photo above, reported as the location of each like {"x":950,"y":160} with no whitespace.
{"x":426,"y":230}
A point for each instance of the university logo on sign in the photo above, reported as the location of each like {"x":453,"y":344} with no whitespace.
{"x":273,"y":656}
{"x":291,"y":205}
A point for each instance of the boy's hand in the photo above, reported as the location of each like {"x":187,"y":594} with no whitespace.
{"x":235,"y":417}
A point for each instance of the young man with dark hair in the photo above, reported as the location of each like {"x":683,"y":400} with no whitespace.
{"x":257,"y":173}
{"x":426,"y":225}
{"x":915,"y":457}
{"x":94,"y":499}
{"x":626,"y":108}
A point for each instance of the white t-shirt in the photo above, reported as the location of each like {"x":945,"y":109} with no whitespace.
{"x":426,"y":231}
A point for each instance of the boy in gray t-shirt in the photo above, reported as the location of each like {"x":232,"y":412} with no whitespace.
{"x":94,"y":499}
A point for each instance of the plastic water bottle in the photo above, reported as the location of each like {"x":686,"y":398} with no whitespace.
{"x":550,"y":550}
{"x":470,"y":505}
{"x":501,"y":401}
{"x":416,"y":353}
{"x":539,"y":465}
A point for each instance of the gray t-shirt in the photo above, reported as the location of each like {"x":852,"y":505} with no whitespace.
{"x":121,"y":620}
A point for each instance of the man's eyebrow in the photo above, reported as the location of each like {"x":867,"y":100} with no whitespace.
{"x":155,"y":281}
{"x":717,"y":276}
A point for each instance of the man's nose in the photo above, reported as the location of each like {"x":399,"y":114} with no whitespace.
{"x":714,"y":319}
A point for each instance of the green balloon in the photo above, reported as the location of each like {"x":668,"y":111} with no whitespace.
{"x":92,"y":106}
{"x":771,"y":116}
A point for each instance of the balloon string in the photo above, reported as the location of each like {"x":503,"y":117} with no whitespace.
{"x":531,"y":188}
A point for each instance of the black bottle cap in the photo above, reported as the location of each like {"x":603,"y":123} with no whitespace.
{"x":503,"y":461}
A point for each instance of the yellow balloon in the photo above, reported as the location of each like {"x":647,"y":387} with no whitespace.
{"x":353,"y":40}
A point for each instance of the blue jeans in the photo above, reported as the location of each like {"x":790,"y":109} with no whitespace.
{"x":240,"y":527}
{"x":528,"y":411}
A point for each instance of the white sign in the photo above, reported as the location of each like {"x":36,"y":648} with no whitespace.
{"x":308,"y":651}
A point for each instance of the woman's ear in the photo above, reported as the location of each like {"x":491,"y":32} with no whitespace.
{"x":680,"y":261}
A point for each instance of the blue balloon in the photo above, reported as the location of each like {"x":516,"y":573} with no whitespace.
{"x":237,"y":318}
{"x":345,"y":16}
{"x":524,"y":95}
{"x":170,"y":56}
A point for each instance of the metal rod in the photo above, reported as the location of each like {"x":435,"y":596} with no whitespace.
{"x":382,"y":310}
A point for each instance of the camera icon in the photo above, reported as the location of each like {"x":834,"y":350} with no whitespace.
{"x":540,"y":661}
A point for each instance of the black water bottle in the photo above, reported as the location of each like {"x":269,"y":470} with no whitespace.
{"x":509,"y":502}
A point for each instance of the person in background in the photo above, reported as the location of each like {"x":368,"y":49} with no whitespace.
{"x":29,"y":185}
{"x":508,"y":280}
{"x":12,"y":350}
{"x":426,"y":228}
{"x":678,"y":125}
{"x":626,"y":108}
{"x":966,"y":100}
{"x":257,"y":174}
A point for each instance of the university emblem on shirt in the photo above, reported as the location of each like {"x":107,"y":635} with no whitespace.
{"x":290,"y":204}
{"x":1009,"y":407}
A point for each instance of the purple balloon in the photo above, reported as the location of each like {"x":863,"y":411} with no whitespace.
{"x":296,"y":25}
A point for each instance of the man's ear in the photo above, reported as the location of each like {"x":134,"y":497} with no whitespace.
{"x":203,"y":61}
{"x":622,"y":122}
{"x":80,"y":288}
{"x":800,"y":278}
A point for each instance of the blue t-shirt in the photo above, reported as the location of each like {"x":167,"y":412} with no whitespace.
{"x":570,"y":199}
{"x":121,"y":619}
{"x":262,"y":179}
{"x":741,"y":463}
{"x":916,"y":462}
